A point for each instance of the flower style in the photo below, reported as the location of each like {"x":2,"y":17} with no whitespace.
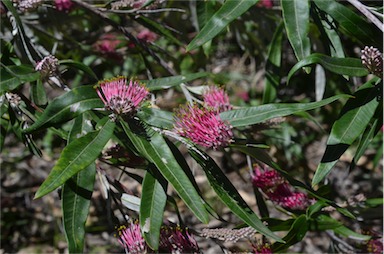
{"x":121,"y":98}
{"x":217,"y":99}
{"x":278,"y":190}
{"x":372,"y":59}
{"x":203,"y":126}
{"x":131,"y":239}
{"x":177,"y":240}
{"x":63,"y":5}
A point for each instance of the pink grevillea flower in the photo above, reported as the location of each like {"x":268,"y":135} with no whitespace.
{"x":177,"y":240}
{"x":262,"y":248}
{"x":107,"y":46}
{"x":266,"y":3}
{"x":147,"y":36}
{"x":131,"y":239}
{"x":217,"y":99}
{"x":119,"y":97}
{"x":375,"y":246}
{"x":63,"y":5}
{"x":203,"y":126}
{"x":278,"y":190}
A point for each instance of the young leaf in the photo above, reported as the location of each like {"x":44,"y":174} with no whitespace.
{"x":228,"y":193}
{"x":343,"y":66}
{"x":230,"y":10}
{"x":76,"y":156}
{"x":157,"y":151}
{"x":296,"y":20}
{"x":153,"y":199}
{"x":354,"y":118}
{"x":67,"y":107}
{"x":257,"y":114}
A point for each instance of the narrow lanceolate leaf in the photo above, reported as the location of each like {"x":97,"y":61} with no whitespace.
{"x":354,"y":118}
{"x":351,"y":23}
{"x":152,"y":205}
{"x":13,"y":76}
{"x":76,"y":194}
{"x":67,"y":107}
{"x":296,"y":20}
{"x":295,"y":234}
{"x":79,"y":66}
{"x":257,"y":114}
{"x":76,"y":156}
{"x":228,"y":193}
{"x":343,"y":66}
{"x":272,"y":67}
{"x":156,"y":117}
{"x":157,"y":151}
{"x":230,"y":10}
{"x":167,"y":82}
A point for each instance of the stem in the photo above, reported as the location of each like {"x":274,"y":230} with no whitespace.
{"x":363,"y":9}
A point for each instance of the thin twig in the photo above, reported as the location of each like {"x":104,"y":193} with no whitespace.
{"x":363,"y":9}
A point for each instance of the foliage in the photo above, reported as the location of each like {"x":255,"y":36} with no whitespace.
{"x":311,"y":76}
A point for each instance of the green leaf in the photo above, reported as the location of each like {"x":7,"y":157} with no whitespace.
{"x":79,"y":66}
{"x":257,"y":114}
{"x":228,"y":193}
{"x":39,"y":97}
{"x":167,"y":82}
{"x":354,"y":118}
{"x":343,"y":66}
{"x":3,"y":132}
{"x":230,"y":10}
{"x":157,"y":151}
{"x":76,"y":200}
{"x":344,"y":231}
{"x":153,"y":199}
{"x":272,"y":67}
{"x":13,"y":76}
{"x":351,"y":23}
{"x":296,"y":20}
{"x":76,"y":156}
{"x":67,"y":107}
{"x":156,"y":117}
{"x":296,"y":234}
{"x":323,"y":222}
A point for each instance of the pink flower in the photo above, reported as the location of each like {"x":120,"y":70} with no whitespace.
{"x":262,"y":248}
{"x":147,"y":36}
{"x":266,"y":3}
{"x":278,"y":190}
{"x":217,"y":99}
{"x":119,"y":97}
{"x":131,"y":239}
{"x":375,"y":246}
{"x":63,"y":5}
{"x":107,"y":46}
{"x":203,"y":127}
{"x":177,"y":240}
{"x":372,"y":59}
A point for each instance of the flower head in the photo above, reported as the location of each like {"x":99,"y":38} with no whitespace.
{"x":63,"y":5}
{"x":278,"y":190}
{"x":28,"y":5}
{"x":119,"y":97}
{"x":147,"y":36}
{"x":177,"y":240}
{"x":372,"y":59}
{"x":47,"y":66}
{"x":217,"y":99}
{"x":131,"y":239}
{"x":107,"y":46}
{"x":203,"y":126}
{"x":375,"y":246}
{"x":262,"y":248}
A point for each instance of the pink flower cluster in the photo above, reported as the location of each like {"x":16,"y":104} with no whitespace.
{"x":63,"y":5}
{"x":262,"y":248}
{"x":217,"y":99}
{"x":203,"y":126}
{"x":172,"y":240}
{"x":278,"y":190}
{"x":107,"y":46}
{"x":119,"y":97}
{"x":375,"y":246}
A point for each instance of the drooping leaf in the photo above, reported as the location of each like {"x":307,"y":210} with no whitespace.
{"x":295,"y":234}
{"x":12,"y":77}
{"x":67,"y":107}
{"x":167,"y":82}
{"x":157,"y":151}
{"x":79,"y":66}
{"x":228,"y":193}
{"x":76,"y":156}
{"x":230,"y":10}
{"x":354,"y":118}
{"x":344,"y":66}
{"x":296,"y":20}
{"x":38,"y":94}
{"x":153,"y":200}
{"x":272,"y":67}
{"x":351,"y":23}
{"x":258,"y":114}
